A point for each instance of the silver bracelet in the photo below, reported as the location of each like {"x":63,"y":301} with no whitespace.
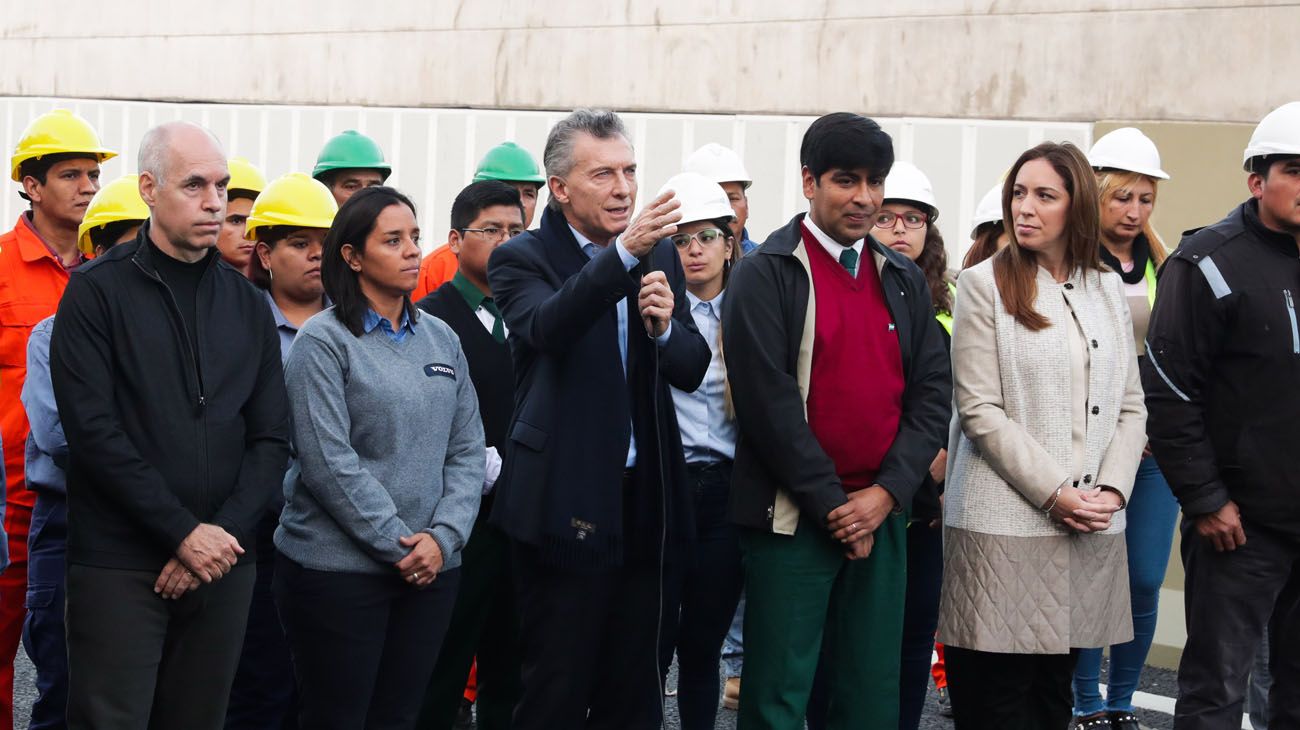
{"x":1048,"y":508}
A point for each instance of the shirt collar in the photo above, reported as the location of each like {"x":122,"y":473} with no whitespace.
{"x":373,"y":320}
{"x":715,"y":303}
{"x":832,"y":247}
{"x":583,"y":240}
{"x":473,"y":295}
{"x":34,"y":253}
{"x":281,"y":322}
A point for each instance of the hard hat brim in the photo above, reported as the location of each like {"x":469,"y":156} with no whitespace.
{"x":101,"y":153}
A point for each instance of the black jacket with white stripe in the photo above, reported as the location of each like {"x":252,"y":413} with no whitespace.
{"x":1222,"y":372}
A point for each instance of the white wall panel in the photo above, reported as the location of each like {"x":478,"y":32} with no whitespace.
{"x":434,"y":151}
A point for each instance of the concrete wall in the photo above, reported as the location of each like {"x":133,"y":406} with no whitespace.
{"x":1076,"y":60}
{"x":435,"y":151}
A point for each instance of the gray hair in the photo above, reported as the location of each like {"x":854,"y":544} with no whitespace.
{"x":152,"y":157}
{"x":558,"y":155}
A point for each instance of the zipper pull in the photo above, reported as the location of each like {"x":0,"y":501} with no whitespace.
{"x":203,"y":401}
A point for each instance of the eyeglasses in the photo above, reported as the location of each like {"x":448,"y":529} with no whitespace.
{"x":706,"y":237}
{"x":492,"y":233}
{"x":887,"y":218}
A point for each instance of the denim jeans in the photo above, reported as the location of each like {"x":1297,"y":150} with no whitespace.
{"x":709,"y":588}
{"x":733,"y":646}
{"x":1152,"y":513}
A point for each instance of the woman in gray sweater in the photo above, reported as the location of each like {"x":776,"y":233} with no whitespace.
{"x":387,"y":482}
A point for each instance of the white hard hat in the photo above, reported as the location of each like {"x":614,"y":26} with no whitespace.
{"x":1128,"y":149}
{"x":701,"y":198}
{"x":906,"y":182}
{"x":719,"y":164}
{"x":989,"y":210}
{"x":1277,"y":134}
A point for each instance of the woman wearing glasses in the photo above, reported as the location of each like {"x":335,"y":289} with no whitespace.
{"x":905,"y":223}
{"x":711,"y":579}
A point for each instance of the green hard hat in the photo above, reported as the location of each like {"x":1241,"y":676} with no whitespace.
{"x":349,"y":151}
{"x":509,"y":162}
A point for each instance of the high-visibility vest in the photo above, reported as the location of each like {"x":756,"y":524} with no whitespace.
{"x":1151,"y":283}
{"x":945,"y":318}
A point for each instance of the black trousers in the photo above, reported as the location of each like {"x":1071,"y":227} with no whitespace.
{"x":1229,"y":598}
{"x":920,"y":619}
{"x":993,"y":691}
{"x":588,"y":644}
{"x":707,"y":590}
{"x":485,"y":625}
{"x":263,"y":695}
{"x":363,"y":645}
{"x":136,"y":660}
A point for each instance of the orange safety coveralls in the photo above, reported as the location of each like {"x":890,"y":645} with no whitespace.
{"x":32,"y":280}
{"x":435,"y":270}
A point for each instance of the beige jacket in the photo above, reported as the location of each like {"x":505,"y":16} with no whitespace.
{"x":1015,"y":581}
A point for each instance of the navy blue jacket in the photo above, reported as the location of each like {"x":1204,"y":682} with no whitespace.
{"x":561,"y":485}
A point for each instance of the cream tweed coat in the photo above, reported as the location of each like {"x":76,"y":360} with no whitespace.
{"x":1014,"y":580}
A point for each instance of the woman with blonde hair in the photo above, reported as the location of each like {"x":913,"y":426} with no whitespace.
{"x":1049,"y":430}
{"x":1128,"y":172}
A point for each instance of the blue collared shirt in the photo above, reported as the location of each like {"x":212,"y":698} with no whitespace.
{"x":283,"y":327}
{"x":708,"y":434}
{"x":373,"y":320}
{"x":746,"y":245}
{"x":590,"y":249}
{"x":46,"y":444}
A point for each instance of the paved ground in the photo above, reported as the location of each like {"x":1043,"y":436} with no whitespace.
{"x":1155,"y":681}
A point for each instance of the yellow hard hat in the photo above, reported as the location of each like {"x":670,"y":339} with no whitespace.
{"x":244,"y":175}
{"x":294,"y":200}
{"x":58,"y":132}
{"x":117,"y":201}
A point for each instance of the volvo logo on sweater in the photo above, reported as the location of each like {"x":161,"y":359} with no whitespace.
{"x":440,"y":369}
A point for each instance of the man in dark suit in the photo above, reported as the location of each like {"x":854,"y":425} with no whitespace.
{"x":483,"y":216}
{"x":591,"y":490}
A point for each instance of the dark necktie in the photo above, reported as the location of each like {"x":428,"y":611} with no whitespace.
{"x":498,"y":327}
{"x":849,"y":259}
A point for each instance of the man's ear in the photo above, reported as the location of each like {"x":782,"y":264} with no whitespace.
{"x":559,"y":189}
{"x":148,"y":187}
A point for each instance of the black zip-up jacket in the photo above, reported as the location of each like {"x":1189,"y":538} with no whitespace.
{"x":1221,"y":371}
{"x":762,"y":330}
{"x":162,"y":438}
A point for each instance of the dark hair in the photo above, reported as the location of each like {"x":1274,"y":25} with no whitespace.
{"x":479,"y":196}
{"x":39,"y":167}
{"x":105,"y":237}
{"x":724,"y":225}
{"x":270,"y":235}
{"x":933,"y":262}
{"x":1015,"y":269}
{"x":847,"y":142}
{"x":985,"y":244}
{"x":1263,"y":164}
{"x":353,"y":223}
{"x":237,"y":193}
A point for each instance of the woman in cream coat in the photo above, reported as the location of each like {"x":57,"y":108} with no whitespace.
{"x":1048,"y":431}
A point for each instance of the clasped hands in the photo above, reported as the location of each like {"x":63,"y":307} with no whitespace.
{"x":208,"y":553}
{"x":1083,"y":511}
{"x":854,"y":523}
{"x":205,"y":555}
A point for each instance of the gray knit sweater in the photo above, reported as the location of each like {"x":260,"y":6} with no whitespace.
{"x":389,"y":443}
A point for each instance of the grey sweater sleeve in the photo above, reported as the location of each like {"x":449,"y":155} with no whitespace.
{"x":462,"y":471}
{"x":331,"y":470}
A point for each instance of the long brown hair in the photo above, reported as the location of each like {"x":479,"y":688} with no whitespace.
{"x":1015,"y":268}
{"x":984,"y":245}
{"x":933,"y":262}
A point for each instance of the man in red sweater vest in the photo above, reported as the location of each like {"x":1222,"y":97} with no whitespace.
{"x":842,"y":388}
